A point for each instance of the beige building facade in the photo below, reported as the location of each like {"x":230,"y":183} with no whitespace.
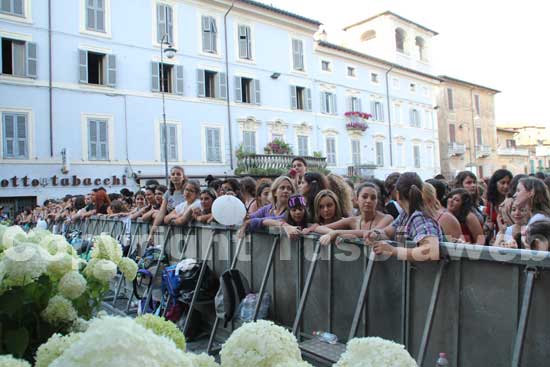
{"x":467,"y":130}
{"x":535,"y":140}
{"x":510,"y":155}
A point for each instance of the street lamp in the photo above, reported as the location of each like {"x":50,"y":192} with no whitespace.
{"x":170,"y":53}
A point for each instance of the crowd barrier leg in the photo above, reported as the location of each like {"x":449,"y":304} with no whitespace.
{"x":523,"y":316}
{"x":217,"y":320}
{"x":431,"y":313}
{"x":362,"y":296}
{"x":199,"y":281}
{"x":405,"y":303}
{"x":180,"y":258}
{"x":307,"y":286}
{"x":149,"y":292}
{"x":276,"y":241}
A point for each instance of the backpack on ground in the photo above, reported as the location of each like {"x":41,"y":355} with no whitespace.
{"x":233,"y":289}
{"x":147,"y":265}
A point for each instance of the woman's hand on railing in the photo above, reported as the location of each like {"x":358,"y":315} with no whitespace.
{"x":292,"y":232}
{"x":383,"y":248}
{"x":310,"y":229}
{"x":328,"y":238}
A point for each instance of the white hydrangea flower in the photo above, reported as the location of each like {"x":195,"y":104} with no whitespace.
{"x":259,"y":344}
{"x":79,"y":325}
{"x":104,"y":270}
{"x":72,"y":285}
{"x":59,"y":310}
{"x":12,"y":235}
{"x":23,"y":264}
{"x":129,"y":268}
{"x":9,"y":361}
{"x":57,"y":245}
{"x":375,"y":352}
{"x":37,"y":235}
{"x":53,"y":348}
{"x":60,"y":265}
{"x":202,"y":360}
{"x":106,"y":248}
{"x":114,"y":342}
{"x":293,"y":364}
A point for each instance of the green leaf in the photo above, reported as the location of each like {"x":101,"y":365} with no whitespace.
{"x":11,"y":302}
{"x":17,"y":341}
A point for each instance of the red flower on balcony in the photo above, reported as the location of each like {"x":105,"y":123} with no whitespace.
{"x":361,"y":115}
{"x":356,"y":126}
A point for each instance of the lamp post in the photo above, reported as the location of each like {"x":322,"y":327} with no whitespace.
{"x":170,"y":53}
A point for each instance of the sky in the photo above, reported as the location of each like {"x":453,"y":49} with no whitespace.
{"x":499,"y":44}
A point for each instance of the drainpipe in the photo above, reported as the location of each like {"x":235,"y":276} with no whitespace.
{"x":227,"y":88}
{"x":473,"y":150}
{"x":50,"y":74}
{"x":389,"y":114}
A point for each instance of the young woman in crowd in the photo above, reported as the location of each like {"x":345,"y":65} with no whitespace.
{"x":248,"y":192}
{"x":262,"y":196}
{"x":159,"y":192}
{"x":172,"y":198}
{"x":295,"y":219}
{"x":203,"y":214}
{"x":342,"y":191}
{"x":392,"y":206}
{"x":460,"y":204}
{"x":141,"y":205}
{"x":512,"y":219}
{"x":312,"y":184}
{"x":468,"y":181}
{"x":370,"y":217}
{"x":101,"y":202}
{"x":326,"y":208}
{"x":299,"y":167}
{"x":432,"y":204}
{"x":496,"y":193}
{"x":231,"y":186}
{"x":533,"y":193}
{"x":414,"y":224}
{"x":182,"y":213}
{"x":538,"y":236}
{"x":281,"y":189}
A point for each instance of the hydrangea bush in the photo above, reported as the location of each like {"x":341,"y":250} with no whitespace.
{"x":375,"y":352}
{"x":45,"y":288}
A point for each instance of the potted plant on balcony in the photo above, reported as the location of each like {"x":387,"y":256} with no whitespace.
{"x":357,"y":121}
{"x":356,"y":126}
{"x":277,"y":146}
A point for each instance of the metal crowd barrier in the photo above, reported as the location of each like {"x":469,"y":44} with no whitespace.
{"x":483,"y":306}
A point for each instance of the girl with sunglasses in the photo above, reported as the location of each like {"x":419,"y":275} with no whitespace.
{"x":296,"y":217}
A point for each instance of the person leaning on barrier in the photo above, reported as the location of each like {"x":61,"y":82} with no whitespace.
{"x":203,"y":214}
{"x":413,"y":224}
{"x":432,"y":205}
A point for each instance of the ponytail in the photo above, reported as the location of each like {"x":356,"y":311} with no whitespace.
{"x":409,"y":186}
{"x":415,"y":199}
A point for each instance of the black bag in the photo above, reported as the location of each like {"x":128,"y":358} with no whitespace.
{"x":147,"y":265}
{"x":233,"y":288}
{"x":189,"y":280}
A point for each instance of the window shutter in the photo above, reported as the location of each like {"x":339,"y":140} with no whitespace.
{"x":358,"y":104}
{"x":243,"y":44}
{"x":100,"y":16}
{"x":169,"y":24}
{"x":21,"y":135}
{"x":349,"y":103}
{"x":222,"y":85}
{"x":418,"y":118}
{"x":213,"y":32}
{"x":381,"y":107}
{"x":323,"y":103}
{"x":217,"y":145}
{"x":179,"y":79}
{"x":297,"y":54}
{"x":206,"y":41}
{"x":155,"y":76}
{"x":373,"y":111}
{"x":102,"y":127}
{"x":92,"y":140}
{"x":248,"y":42}
{"x":238,"y":89}
{"x":411,"y":118}
{"x":9,"y":135}
{"x":1,"y":52}
{"x":32,"y":59}
{"x":334,"y":107}
{"x":293,"y":98}
{"x":309,"y":102}
{"x":83,"y":69}
{"x":200,"y":83}
{"x":173,"y":152}
{"x":257,"y":92}
{"x":301,"y":55}
{"x":161,"y":22}
{"x":111,"y":70}
{"x":90,"y":14}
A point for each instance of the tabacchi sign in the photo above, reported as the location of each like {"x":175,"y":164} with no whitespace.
{"x":74,"y":180}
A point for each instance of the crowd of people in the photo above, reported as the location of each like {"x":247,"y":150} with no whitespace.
{"x":503,"y":210}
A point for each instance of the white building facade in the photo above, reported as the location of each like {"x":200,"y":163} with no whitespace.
{"x":81,"y":104}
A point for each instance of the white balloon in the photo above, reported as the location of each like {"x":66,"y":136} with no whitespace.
{"x":228,"y":210}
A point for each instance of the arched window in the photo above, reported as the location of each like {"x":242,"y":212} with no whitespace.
{"x":421,"y":47}
{"x":368,"y":35}
{"x":400,"y":36}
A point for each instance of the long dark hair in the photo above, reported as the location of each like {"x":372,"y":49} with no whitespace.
{"x":316,"y":182}
{"x":493,"y":196}
{"x":441,"y":189}
{"x":514,"y":184}
{"x":540,"y":203}
{"x":171,"y":186}
{"x":467,"y":204}
{"x":409,"y":187}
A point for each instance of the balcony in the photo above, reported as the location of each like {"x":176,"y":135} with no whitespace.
{"x":513,"y":152}
{"x":483,"y":151}
{"x":542,"y":151}
{"x":275,"y":164}
{"x":456,"y":149}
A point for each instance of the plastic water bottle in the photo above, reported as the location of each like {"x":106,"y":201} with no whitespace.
{"x":326,"y":337}
{"x":247,"y":307}
{"x":442,"y":360}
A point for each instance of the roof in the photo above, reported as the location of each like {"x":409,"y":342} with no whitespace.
{"x":507,"y":130}
{"x":448,"y":78}
{"x":387,"y":12}
{"x":281,"y":11}
{"x":375,"y":59}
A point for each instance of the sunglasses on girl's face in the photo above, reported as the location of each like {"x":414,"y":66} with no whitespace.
{"x":296,"y":201}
